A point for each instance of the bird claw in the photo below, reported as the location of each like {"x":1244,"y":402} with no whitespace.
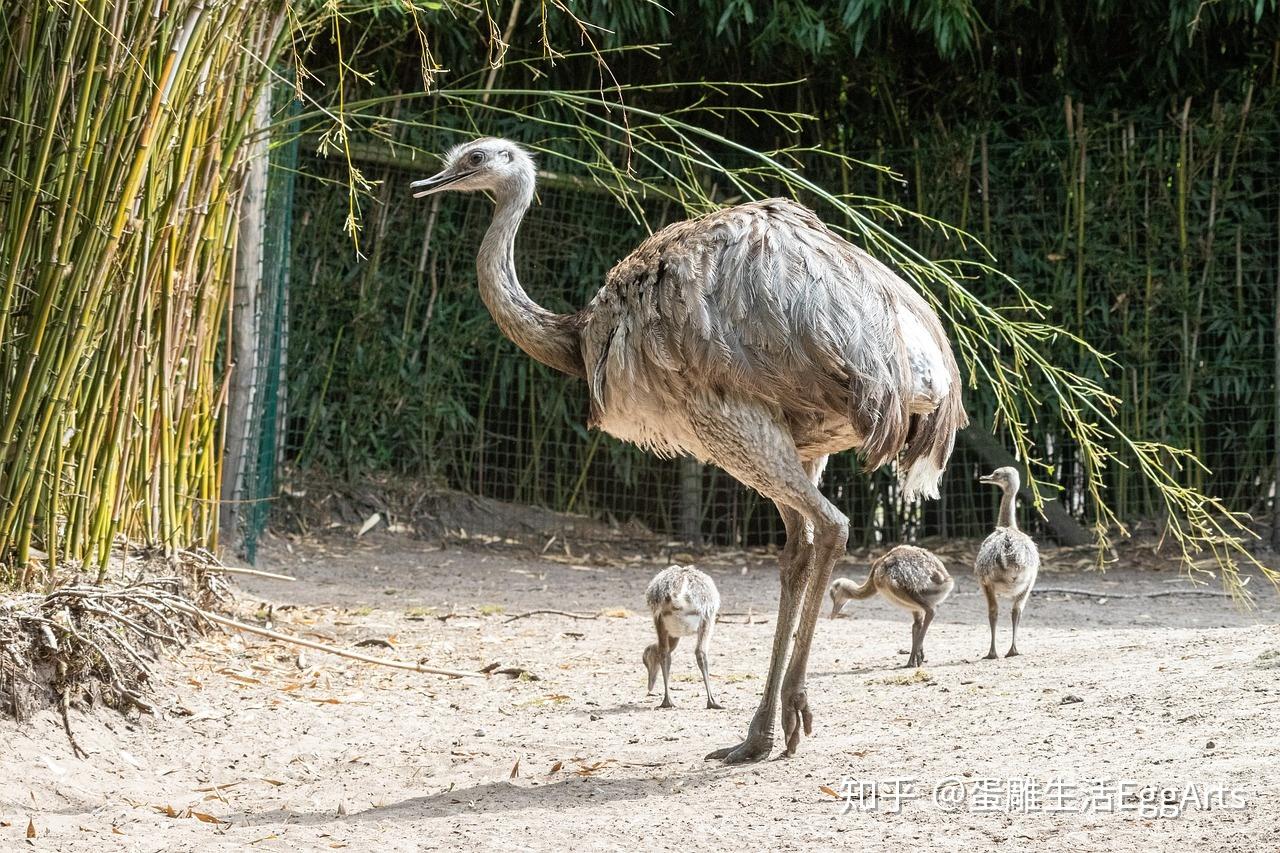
{"x":796,"y":713}
{"x":714,"y":705}
{"x":754,"y":748}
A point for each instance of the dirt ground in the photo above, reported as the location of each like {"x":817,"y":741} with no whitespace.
{"x":259,"y":748}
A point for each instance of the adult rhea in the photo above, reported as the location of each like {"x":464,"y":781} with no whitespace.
{"x":752,"y":338}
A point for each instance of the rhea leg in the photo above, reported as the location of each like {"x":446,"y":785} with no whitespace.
{"x":917,"y":619}
{"x":1016,"y":617}
{"x":700,"y":653}
{"x":796,"y":553}
{"x":922,"y":628}
{"x":993,"y":612}
{"x":666,"y":643}
{"x":759,"y":452}
{"x":831,"y":535}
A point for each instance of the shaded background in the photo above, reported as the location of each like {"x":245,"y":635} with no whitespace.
{"x":1119,"y":163}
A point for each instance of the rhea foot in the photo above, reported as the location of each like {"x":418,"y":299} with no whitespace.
{"x":713,"y":704}
{"x":796,"y":713}
{"x":1012,"y":653}
{"x":666,"y":703}
{"x":756,"y":747}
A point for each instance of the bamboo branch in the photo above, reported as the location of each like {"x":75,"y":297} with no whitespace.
{"x":342,"y":653}
{"x":257,"y":573}
{"x":1213,"y":593}
{"x":551,"y":613}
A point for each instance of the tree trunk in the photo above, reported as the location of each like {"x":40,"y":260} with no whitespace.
{"x":1065,"y":529}
{"x":244,"y":344}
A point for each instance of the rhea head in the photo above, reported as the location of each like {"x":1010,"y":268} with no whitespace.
{"x":1006,"y":478}
{"x":489,"y":163}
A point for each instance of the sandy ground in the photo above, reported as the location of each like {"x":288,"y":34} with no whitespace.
{"x":258,"y":749}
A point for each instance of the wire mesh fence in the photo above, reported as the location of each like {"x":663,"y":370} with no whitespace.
{"x":247,"y":512}
{"x":1160,"y":247}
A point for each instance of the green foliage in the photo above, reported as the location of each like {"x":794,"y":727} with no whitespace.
{"x":1110,"y":224}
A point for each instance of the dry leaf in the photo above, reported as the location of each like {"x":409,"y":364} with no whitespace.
{"x":224,"y":786}
{"x":240,"y":676}
{"x":515,"y":770}
{"x":617,"y":613}
{"x":585,"y":769}
{"x":829,"y":791}
{"x":115,"y":830}
{"x":555,"y":768}
{"x":31,"y":828}
{"x":206,"y":818}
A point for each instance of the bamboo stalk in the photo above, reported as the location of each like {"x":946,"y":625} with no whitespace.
{"x":115,"y":267}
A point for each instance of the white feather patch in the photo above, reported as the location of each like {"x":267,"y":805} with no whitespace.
{"x":930,"y":381}
{"x":921,"y":479}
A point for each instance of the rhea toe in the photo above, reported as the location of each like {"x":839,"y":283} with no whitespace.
{"x":684,"y":602}
{"x":913,"y":579}
{"x":1008,"y":561}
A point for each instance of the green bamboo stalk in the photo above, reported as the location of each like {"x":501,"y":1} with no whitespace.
{"x":114,"y":269}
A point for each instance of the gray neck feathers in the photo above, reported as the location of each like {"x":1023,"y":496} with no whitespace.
{"x":1008,"y":508}
{"x":545,"y":336}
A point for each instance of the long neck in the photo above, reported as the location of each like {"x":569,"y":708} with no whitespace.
{"x":1008,"y":507}
{"x":546,"y":336}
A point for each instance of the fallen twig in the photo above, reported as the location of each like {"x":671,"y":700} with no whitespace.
{"x":749,"y":617}
{"x":64,"y":705}
{"x":1159,"y":593}
{"x":342,"y":653}
{"x":552,"y":613}
{"x":257,"y":573}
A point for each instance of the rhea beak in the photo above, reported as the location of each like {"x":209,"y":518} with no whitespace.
{"x":835,"y":609}
{"x":987,"y":478}
{"x":437,"y":182}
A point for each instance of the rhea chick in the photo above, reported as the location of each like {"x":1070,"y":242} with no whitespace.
{"x":910,"y":577}
{"x":684,"y":602}
{"x":1008,"y":561}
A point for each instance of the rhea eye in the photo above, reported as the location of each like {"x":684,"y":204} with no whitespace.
{"x":475,"y":158}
